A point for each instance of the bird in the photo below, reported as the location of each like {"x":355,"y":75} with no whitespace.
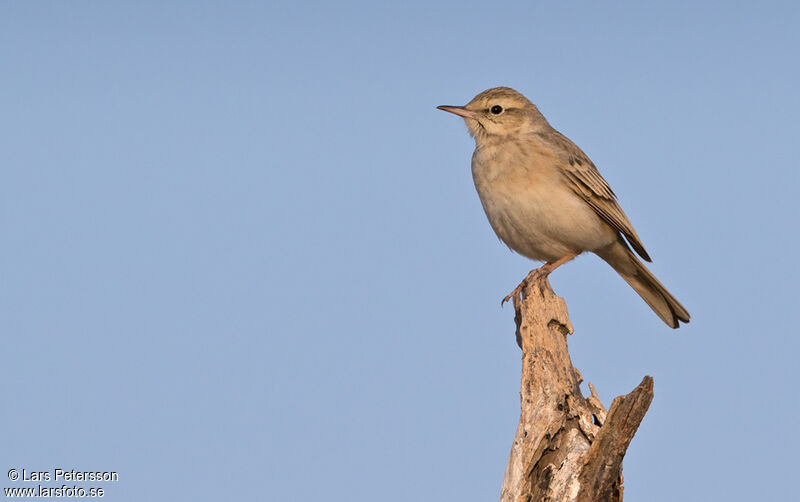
{"x":546,"y":200}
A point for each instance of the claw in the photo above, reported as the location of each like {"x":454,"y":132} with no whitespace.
{"x":536,"y":274}
{"x":512,"y":295}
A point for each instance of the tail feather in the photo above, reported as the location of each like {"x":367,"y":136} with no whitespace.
{"x":622,"y":259}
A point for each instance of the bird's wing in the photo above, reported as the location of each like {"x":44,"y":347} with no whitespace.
{"x":584,"y":178}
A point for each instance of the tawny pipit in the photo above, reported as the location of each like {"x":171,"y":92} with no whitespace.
{"x":546,"y":200}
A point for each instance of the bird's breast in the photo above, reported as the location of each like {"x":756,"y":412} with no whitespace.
{"x":529,"y":205}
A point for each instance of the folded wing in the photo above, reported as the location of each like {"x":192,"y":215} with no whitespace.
{"x":584,"y":178}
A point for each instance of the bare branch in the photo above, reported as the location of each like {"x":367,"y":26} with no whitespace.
{"x":566,"y":448}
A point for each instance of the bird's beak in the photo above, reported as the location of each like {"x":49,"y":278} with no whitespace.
{"x":460,"y":111}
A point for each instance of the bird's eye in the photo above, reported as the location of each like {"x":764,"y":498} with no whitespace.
{"x":496,"y":110}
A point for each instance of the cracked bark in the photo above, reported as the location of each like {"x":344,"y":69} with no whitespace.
{"x":567,"y":447}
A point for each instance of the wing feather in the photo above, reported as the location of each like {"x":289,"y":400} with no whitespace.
{"x":584,"y":178}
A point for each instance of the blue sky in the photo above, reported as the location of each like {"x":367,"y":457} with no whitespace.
{"x":242,"y":255}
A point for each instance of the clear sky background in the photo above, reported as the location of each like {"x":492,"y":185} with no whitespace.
{"x":242,"y":257}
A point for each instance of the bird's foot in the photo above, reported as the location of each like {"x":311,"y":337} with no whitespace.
{"x":533,"y":276}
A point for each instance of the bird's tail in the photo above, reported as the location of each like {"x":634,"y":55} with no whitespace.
{"x":622,"y":259}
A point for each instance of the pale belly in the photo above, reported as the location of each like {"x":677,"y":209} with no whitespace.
{"x":537,"y":215}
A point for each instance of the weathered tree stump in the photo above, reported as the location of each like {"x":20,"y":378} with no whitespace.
{"x":567,"y":447}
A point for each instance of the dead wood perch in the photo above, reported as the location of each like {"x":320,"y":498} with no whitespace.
{"x":567,"y":447}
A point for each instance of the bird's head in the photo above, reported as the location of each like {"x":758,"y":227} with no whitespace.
{"x":497,"y":112}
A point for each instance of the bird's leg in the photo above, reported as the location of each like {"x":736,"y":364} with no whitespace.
{"x":536,"y":274}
